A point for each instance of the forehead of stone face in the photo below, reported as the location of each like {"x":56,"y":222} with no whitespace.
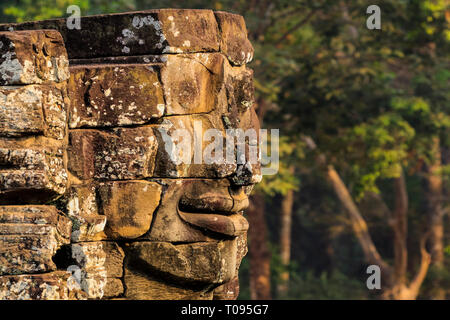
{"x":114,"y":95}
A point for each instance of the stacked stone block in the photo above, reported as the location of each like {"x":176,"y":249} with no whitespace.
{"x":34,"y":69}
{"x":93,"y":136}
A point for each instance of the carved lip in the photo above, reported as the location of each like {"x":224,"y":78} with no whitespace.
{"x":233,"y":225}
{"x":217,"y":212}
{"x":214,"y":203}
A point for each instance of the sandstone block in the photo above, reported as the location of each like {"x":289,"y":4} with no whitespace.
{"x":201,"y":262}
{"x":234,"y":42}
{"x":192,"y":82}
{"x":135,"y":33}
{"x":31,"y":175}
{"x":114,"y":95}
{"x":128,"y":207}
{"x":140,"y":286}
{"x":242,"y":250}
{"x":101,"y":264}
{"x":114,"y":259}
{"x":248,"y":169}
{"x":113,"y":288}
{"x":47,"y":286}
{"x":167,"y":218}
{"x":239,"y":87}
{"x":81,"y":207}
{"x":227,"y":291}
{"x":187,"y":147}
{"x":119,"y":154}
{"x":32,"y":57}
{"x":30,"y":237}
{"x":32,"y":109}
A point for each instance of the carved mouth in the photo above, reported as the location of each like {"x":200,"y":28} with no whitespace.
{"x":216,"y":213}
{"x":233,"y":226}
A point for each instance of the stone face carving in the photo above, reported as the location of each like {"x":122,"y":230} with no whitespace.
{"x":97,"y":201}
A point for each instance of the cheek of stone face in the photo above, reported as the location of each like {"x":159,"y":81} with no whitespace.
{"x":129,"y":207}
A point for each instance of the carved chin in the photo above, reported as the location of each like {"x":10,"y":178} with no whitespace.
{"x":157,"y":270}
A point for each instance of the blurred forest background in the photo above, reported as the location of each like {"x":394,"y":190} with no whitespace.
{"x":365,"y":143}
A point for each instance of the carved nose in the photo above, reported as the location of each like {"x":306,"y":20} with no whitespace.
{"x":240,"y":198}
{"x":244,"y":175}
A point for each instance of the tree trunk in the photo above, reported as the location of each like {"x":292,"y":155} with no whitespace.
{"x":285,"y":240}
{"x":358,"y":223}
{"x":400,"y":227}
{"x":393,"y":281}
{"x":436,"y":217}
{"x":258,"y":250}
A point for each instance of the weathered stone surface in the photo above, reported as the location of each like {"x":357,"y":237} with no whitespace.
{"x":152,"y":32}
{"x":119,"y":154}
{"x":47,"y":286}
{"x":38,"y":215}
{"x":241,"y":115}
{"x":232,"y":226}
{"x":31,"y":175}
{"x":234,"y":42}
{"x":114,"y":259}
{"x":135,"y":33}
{"x":187,"y":148}
{"x":90,"y":258}
{"x":227,"y":291}
{"x":114,"y":95}
{"x":29,"y":238}
{"x":201,"y":262}
{"x":166,"y":217}
{"x":101,"y":264}
{"x":113,"y":288}
{"x":230,"y":289}
{"x":32,"y":109}
{"x":129,"y":153}
{"x":242,"y":250}
{"x":192,"y":82}
{"x":212,"y":196}
{"x":81,"y":208}
{"x":140,"y":286}
{"x":239,"y":87}
{"x":31,"y":57}
{"x":191,"y":197}
{"x":142,"y":59}
{"x":248,"y":170}
{"x":128,"y":207}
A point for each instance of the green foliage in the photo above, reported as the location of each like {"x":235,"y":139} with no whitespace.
{"x":108,"y":6}
{"x":378,"y":149}
{"x":285,"y":179}
{"x":29,"y":10}
{"x":326,"y":286}
{"x":307,"y":284}
{"x":447,"y":251}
